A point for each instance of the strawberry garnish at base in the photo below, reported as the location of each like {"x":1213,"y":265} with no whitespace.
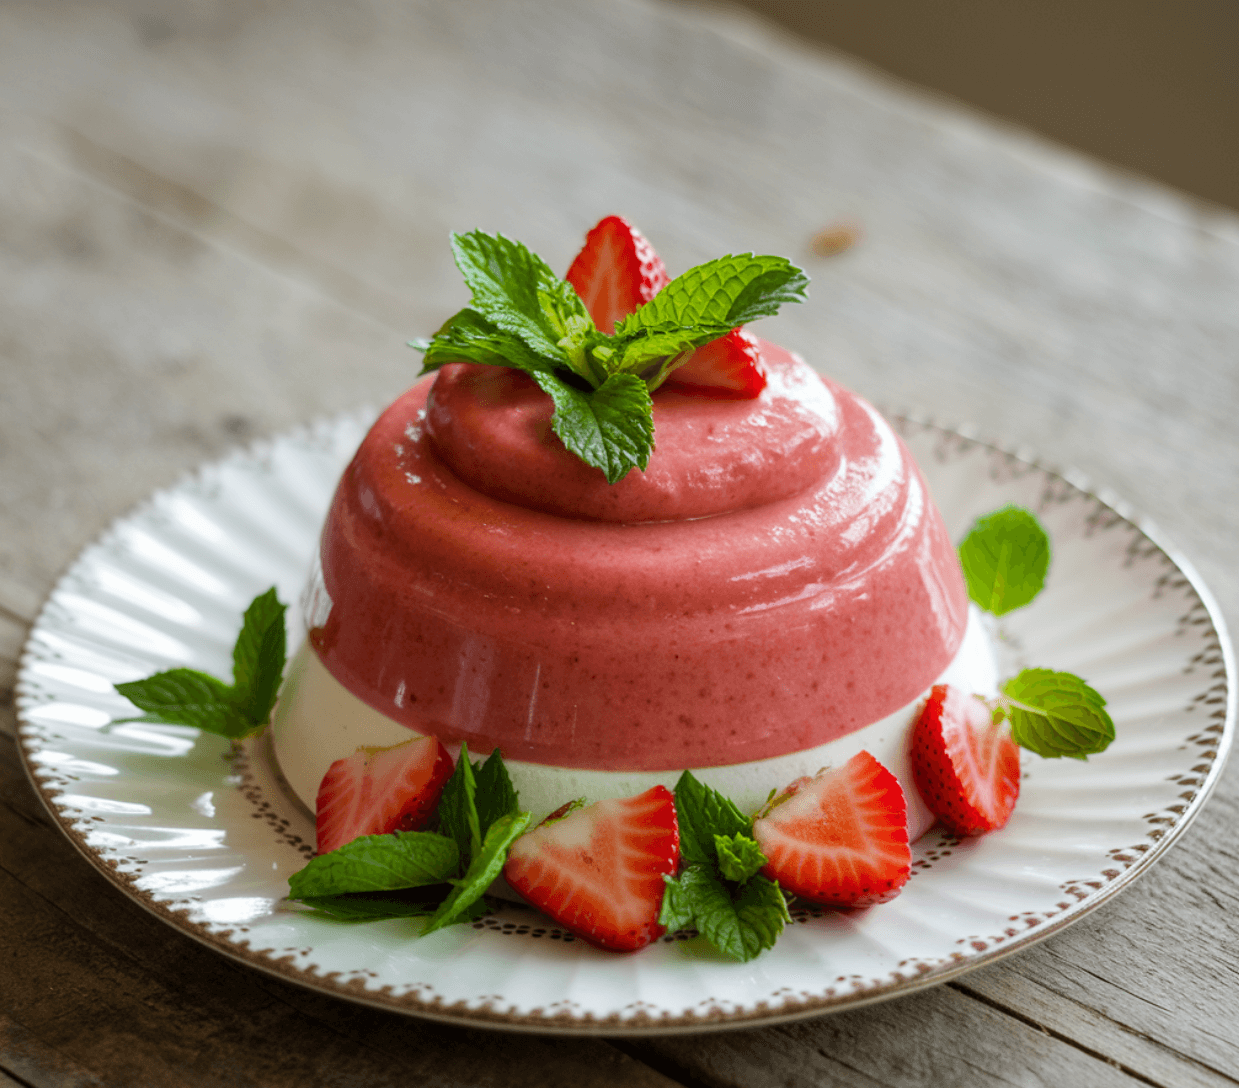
{"x":378,"y":790}
{"x":599,"y":871}
{"x":728,"y":368}
{"x":616,"y":272}
{"x":839,"y":838}
{"x":966,"y":766}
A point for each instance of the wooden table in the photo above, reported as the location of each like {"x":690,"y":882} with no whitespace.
{"x":219,"y":220}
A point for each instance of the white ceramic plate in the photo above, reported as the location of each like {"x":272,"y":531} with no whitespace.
{"x":204,"y":835}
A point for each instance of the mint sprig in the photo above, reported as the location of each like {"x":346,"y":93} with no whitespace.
{"x":1056,"y":714}
{"x":720,"y":892}
{"x":524,"y":316}
{"x":479,"y":810}
{"x":189,"y":697}
{"x":378,"y":863}
{"x":485,"y":865}
{"x":478,"y":820}
{"x":1005,"y":559}
{"x":368,"y":907}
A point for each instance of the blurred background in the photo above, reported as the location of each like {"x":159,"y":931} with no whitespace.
{"x":1150,"y":85}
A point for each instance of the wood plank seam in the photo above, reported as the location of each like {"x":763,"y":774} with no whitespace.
{"x":10,"y":1078}
{"x":660,"y":1063}
{"x":1061,"y":1037}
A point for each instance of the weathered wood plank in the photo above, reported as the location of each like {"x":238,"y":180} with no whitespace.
{"x":93,"y":982}
{"x":946,"y":1038}
{"x":1022,"y":992}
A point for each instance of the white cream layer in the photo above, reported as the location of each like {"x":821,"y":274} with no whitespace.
{"x":319,"y":721}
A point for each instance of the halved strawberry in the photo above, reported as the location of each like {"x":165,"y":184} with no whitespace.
{"x":616,"y":272}
{"x":377,"y":790}
{"x":599,"y":871}
{"x":729,"y":367}
{"x":839,"y":838}
{"x":966,"y":767}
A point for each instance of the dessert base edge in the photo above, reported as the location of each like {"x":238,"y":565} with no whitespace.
{"x":318,"y":721}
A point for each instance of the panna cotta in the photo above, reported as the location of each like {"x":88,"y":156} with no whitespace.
{"x":775,"y":592}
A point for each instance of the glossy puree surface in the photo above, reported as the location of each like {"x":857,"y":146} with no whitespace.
{"x":776,"y":579}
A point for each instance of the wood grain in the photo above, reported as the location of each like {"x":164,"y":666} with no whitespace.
{"x":218,"y":221}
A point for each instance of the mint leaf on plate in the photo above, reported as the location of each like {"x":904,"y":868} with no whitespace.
{"x":484,"y":867}
{"x":367,"y":908}
{"x":740,"y":925}
{"x":378,"y":863}
{"x":739,"y":857}
{"x":704,"y":813}
{"x":458,"y":810}
{"x":720,"y":893}
{"x":495,"y":796}
{"x":1056,"y":714}
{"x":190,"y":697}
{"x":1005,"y":558}
{"x":259,"y":655}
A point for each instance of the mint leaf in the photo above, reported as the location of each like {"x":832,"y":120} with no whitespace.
{"x":1005,"y":558}
{"x":468,"y":337}
{"x":761,"y":910}
{"x":610,"y":428}
{"x":495,"y":796}
{"x":367,"y":908}
{"x":679,"y":906}
{"x":739,"y":857}
{"x":485,"y":866}
{"x":458,"y":811}
{"x":516,"y":290}
{"x":524,"y":316}
{"x":739,"y":927}
{"x":702,"y":814}
{"x":378,"y":863}
{"x":259,"y":655}
{"x":638,"y":353}
{"x":1056,"y":714}
{"x":726,"y":292}
{"x":189,"y":697}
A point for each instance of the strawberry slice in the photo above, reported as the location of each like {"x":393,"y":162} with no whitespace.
{"x":729,"y":367}
{"x":839,"y":838}
{"x":599,"y":871}
{"x":377,"y":790}
{"x":616,"y":272}
{"x":966,"y":767}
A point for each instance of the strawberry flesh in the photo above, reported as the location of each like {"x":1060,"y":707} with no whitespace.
{"x":378,"y":790}
{"x":839,"y":838}
{"x":729,"y":367}
{"x":616,"y":272}
{"x":966,"y":767}
{"x":599,"y":871}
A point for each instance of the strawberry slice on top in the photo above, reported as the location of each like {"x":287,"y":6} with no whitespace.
{"x":728,"y":368}
{"x":966,"y":766}
{"x":599,"y":870}
{"x":378,"y":790}
{"x":616,"y":272}
{"x":839,"y":838}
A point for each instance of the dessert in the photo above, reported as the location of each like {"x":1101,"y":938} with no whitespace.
{"x":774,"y":593}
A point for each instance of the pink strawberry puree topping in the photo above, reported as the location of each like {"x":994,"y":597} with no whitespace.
{"x":776,"y":579}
